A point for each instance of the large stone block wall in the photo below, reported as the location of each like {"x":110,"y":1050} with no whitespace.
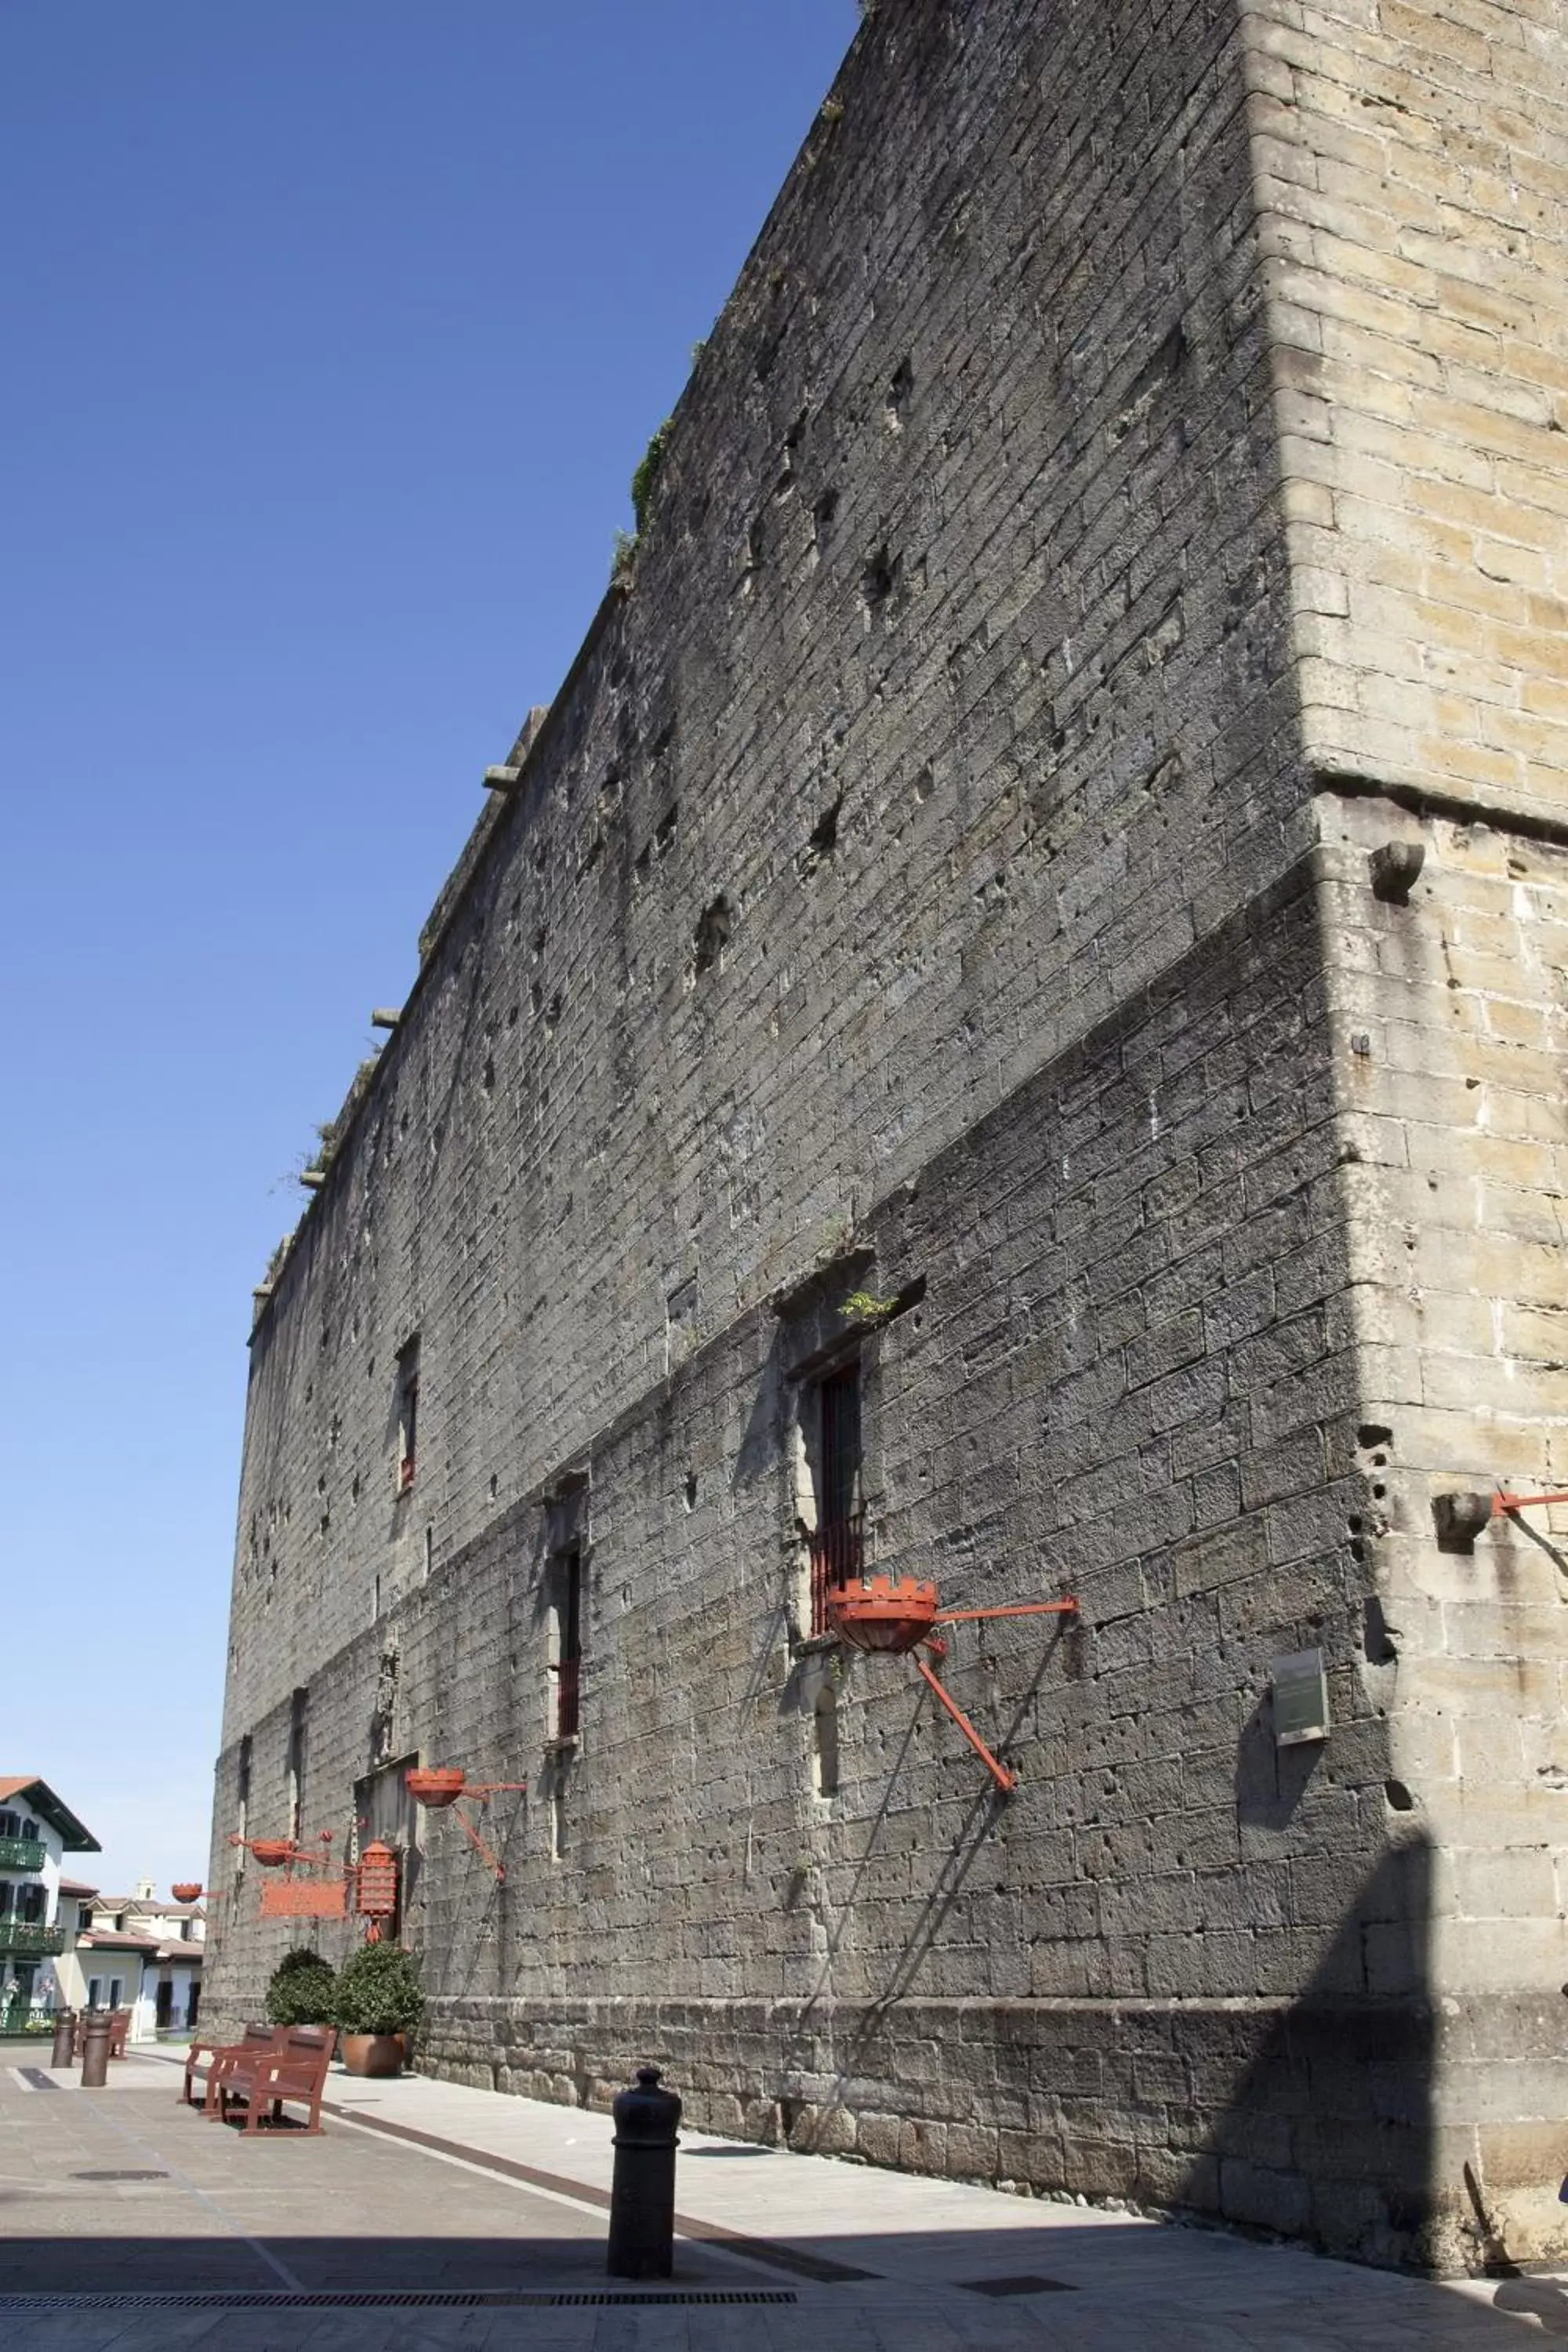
{"x":1412,"y":171}
{"x":1131,"y":1374}
{"x":945,"y":870}
{"x":964,"y":542}
{"x":1452,"y":1017}
{"x":1412,"y":186}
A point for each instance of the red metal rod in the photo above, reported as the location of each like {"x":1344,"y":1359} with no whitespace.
{"x":476,"y":1841}
{"x":496,"y":1787}
{"x":1014,"y":1608}
{"x":1502,"y":1502}
{"x":296,"y":1853}
{"x":1006,"y":1781}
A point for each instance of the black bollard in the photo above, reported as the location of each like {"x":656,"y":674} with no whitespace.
{"x":642,"y":2191}
{"x":95,"y":2049}
{"x":65,"y":2037}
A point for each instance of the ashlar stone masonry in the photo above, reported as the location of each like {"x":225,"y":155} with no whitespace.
{"x":1010,"y":1014}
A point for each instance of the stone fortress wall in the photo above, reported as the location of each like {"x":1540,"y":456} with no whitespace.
{"x":1122,"y":496}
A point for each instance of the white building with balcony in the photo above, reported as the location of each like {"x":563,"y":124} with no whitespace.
{"x":37,"y":1831}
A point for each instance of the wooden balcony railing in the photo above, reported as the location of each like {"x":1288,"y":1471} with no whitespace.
{"x":30,"y":1938}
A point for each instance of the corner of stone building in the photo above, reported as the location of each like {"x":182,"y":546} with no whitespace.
{"x":1412,"y":228}
{"x":1412,"y":225}
{"x":1447,"y":1003}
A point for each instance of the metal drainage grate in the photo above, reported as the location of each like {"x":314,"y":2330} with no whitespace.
{"x":375,"y":2298}
{"x":35,"y":2078}
{"x":119,"y":2175}
{"x":1025,"y":2285}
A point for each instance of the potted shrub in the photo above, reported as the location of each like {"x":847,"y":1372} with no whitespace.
{"x":378,"y":2003}
{"x":302,"y":1989}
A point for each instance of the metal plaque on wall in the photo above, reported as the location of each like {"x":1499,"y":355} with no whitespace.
{"x":1301,"y":1698}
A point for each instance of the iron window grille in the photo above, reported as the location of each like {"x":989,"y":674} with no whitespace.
{"x":568,"y":1664}
{"x":837,"y":1542}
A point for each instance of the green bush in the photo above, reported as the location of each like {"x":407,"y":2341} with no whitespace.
{"x":302,"y":1989}
{"x":379,"y":1991}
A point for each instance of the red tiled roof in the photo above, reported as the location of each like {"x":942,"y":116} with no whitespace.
{"x":76,"y":1886}
{"x":109,"y":1940}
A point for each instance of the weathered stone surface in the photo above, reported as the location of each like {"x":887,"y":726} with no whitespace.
{"x":1092,"y":535}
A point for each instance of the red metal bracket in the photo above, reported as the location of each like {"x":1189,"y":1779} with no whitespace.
{"x":492,"y":1861}
{"x":444,"y":1788}
{"x":1506,"y":1502}
{"x":893,"y":1616}
{"x":1006,"y":1781}
{"x":272,"y":1852}
{"x":486,"y":1789}
{"x":1067,"y":1608}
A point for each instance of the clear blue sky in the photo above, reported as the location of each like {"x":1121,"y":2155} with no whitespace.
{"x":335,"y":329}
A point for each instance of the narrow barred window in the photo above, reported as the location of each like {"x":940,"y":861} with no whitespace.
{"x":838,"y":1540}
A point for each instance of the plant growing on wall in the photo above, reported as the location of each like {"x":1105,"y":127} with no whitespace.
{"x":379,"y":1991}
{"x":647,"y":474}
{"x":326,"y":1144}
{"x":865,"y":1306}
{"x":302,"y":1989}
{"x":643,"y":480}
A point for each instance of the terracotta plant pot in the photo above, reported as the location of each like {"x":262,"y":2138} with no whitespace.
{"x":375,"y":2055}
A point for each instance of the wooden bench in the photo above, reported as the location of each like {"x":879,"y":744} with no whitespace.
{"x":118,"y":2032}
{"x":297,"y":2071}
{"x":213,"y":2054}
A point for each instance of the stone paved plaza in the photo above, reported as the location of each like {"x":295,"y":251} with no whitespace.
{"x":425,"y":2189}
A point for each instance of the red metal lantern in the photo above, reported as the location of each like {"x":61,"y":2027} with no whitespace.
{"x":882,"y":1612}
{"x":376,"y":1884}
{"x":436,"y":1784}
{"x":272,"y":1853}
{"x":187,"y":1890}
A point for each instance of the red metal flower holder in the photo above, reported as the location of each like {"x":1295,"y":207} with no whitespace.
{"x":883,"y":1612}
{"x":890,"y":1616}
{"x":316,"y":1895}
{"x":284,"y":1854}
{"x":439,"y":1786}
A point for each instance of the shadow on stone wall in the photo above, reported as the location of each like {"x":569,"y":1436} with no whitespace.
{"x":1323,"y":2124}
{"x":898,"y":1975}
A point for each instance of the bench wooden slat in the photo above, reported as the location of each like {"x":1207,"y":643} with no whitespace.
{"x":214,"y":2054}
{"x":296,"y":2070}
